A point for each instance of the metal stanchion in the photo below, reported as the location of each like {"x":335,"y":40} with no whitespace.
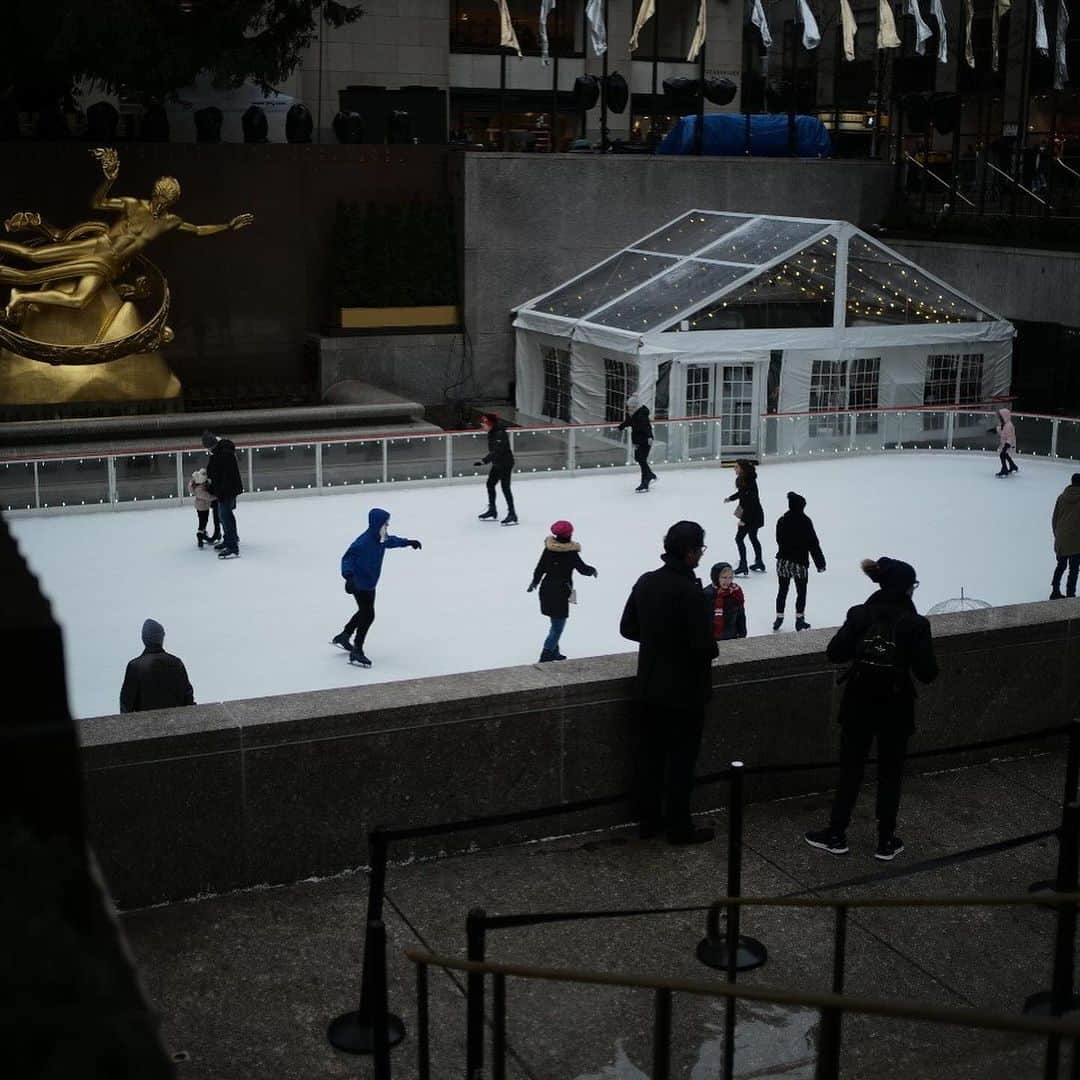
{"x":474,"y":992}
{"x":748,"y":953}
{"x":661,"y":1069}
{"x":828,"y":1046}
{"x":498,"y":1035}
{"x":1072,"y":777}
{"x":423,"y":1024}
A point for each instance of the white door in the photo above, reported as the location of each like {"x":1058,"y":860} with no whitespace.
{"x":737,"y":406}
{"x":700,"y":401}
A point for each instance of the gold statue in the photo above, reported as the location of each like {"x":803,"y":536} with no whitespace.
{"x":69,"y":307}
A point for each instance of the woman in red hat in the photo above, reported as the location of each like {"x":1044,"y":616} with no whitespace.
{"x":558,"y":561}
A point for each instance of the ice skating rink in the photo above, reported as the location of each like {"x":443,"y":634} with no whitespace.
{"x":261,"y":624}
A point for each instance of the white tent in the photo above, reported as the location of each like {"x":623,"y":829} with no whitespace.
{"x":732,"y":316}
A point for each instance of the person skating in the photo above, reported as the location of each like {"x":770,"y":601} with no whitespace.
{"x":641,"y":435}
{"x":886,"y":641}
{"x":361,"y":566}
{"x":554,"y":575}
{"x":1065,"y":522}
{"x":1006,"y":434}
{"x":501,"y":459}
{"x":796,"y":544}
{"x":750,"y":514}
{"x":666,"y":615}
{"x":224,"y":483}
{"x":200,"y":493}
{"x":209,"y":439}
{"x":155,"y":679}
{"x":725,"y":603}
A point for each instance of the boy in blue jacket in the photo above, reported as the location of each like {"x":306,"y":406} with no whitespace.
{"x":361,"y":566}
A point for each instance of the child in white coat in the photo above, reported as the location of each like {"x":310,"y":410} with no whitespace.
{"x":201,"y":494}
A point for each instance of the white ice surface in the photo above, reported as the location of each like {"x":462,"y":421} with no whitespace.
{"x":261,"y":624}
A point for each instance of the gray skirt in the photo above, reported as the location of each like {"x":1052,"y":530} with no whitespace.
{"x":787,"y":568}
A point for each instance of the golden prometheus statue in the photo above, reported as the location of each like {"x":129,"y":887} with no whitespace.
{"x":71,"y":329}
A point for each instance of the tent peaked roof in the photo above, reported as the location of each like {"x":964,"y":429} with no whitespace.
{"x":715,"y":270}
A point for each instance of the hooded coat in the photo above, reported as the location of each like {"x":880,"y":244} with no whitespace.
{"x":361,"y":565}
{"x":1006,"y":432}
{"x":746,"y":491}
{"x":223,"y":472}
{"x":155,"y":680}
{"x":1066,"y":522}
{"x":796,"y":540}
{"x":727,"y":611}
{"x":553,"y":573}
{"x":640,"y":426}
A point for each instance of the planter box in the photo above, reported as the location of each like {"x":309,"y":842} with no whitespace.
{"x":385,"y":318}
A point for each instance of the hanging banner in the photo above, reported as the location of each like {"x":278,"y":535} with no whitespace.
{"x":887,"y":37}
{"x":811,"y":35}
{"x":594,"y":15}
{"x":969,"y":18}
{"x":644,"y":14}
{"x":922,"y":31}
{"x":1042,"y":41}
{"x":507,"y":35}
{"x":546,"y":8}
{"x":699,"y":34}
{"x":1061,"y":67}
{"x":757,"y":17}
{"x":943,"y":31}
{"x":1001,"y":8}
{"x":849,"y":27}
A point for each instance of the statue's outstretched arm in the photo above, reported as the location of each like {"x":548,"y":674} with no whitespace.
{"x":109,"y":161}
{"x":238,"y":222}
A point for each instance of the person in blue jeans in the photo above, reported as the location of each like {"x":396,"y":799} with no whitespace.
{"x":361,"y":567}
{"x":224,"y":484}
{"x":553,"y":574}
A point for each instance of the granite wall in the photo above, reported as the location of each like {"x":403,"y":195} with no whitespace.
{"x":216,"y":797}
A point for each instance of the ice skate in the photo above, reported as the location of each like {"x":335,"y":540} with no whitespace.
{"x":1001,"y":474}
{"x":342,"y":641}
{"x":641,"y":489}
{"x":510,"y":519}
{"x":490,"y":514}
{"x":356,"y":656}
{"x":201,"y":538}
{"x":742,"y":570}
{"x":229,"y":553}
{"x":777,"y":623}
{"x":801,"y":623}
{"x":758,"y":567}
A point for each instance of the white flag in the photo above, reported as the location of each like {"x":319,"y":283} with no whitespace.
{"x":699,"y":34}
{"x":922,"y":31}
{"x":811,"y":35}
{"x":1001,"y":7}
{"x":507,"y":35}
{"x":644,"y":14}
{"x":594,"y":14}
{"x":1061,"y":69}
{"x":757,"y":17}
{"x":886,"y":28}
{"x":1042,"y":41}
{"x":847,"y":20}
{"x":546,"y":8}
{"x":969,"y":16}
{"x":942,"y":31}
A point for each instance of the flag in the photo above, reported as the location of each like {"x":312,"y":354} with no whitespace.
{"x":594,"y":14}
{"x":1001,"y":7}
{"x":922,"y":31}
{"x":1042,"y":42}
{"x":546,"y":8}
{"x":942,"y":30}
{"x":507,"y":36}
{"x":699,"y":34}
{"x":886,"y":27}
{"x":1061,"y":69}
{"x":644,"y":14}
{"x":757,"y":17}
{"x":847,"y":19}
{"x":969,"y":16}
{"x":811,"y":35}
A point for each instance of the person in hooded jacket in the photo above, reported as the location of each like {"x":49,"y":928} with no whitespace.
{"x":886,"y":641}
{"x":1065,"y":522}
{"x":1006,"y":434}
{"x":155,"y":679}
{"x":224,"y":483}
{"x":641,"y":435}
{"x":501,"y":459}
{"x":796,"y":544}
{"x":750,"y":514}
{"x":725,"y":603}
{"x":361,"y":566}
{"x":553,"y":574}
{"x":208,"y":441}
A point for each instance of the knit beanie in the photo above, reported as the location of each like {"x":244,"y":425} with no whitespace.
{"x":209,"y":440}
{"x":1076,"y":477}
{"x":891,"y":574}
{"x":562,"y":530}
{"x":199,"y":476}
{"x":153,"y":633}
{"x":717,"y":570}
{"x":683,"y":537}
{"x":795,"y":501}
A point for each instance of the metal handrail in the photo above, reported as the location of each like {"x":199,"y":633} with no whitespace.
{"x":934,"y":176}
{"x":1026,"y":191}
{"x":1067,"y":168}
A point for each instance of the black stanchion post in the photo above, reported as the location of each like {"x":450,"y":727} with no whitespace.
{"x":371,"y":1029}
{"x":498,"y":1035}
{"x":1072,"y":777}
{"x":828,"y":1060}
{"x":475,"y":930}
{"x":747,"y":952}
{"x":423,"y":1024}
{"x":661,"y":1069}
{"x":839,"y":949}
{"x":380,"y":1015}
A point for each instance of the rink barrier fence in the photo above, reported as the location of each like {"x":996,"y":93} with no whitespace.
{"x":135,"y":479}
{"x":730,"y":951}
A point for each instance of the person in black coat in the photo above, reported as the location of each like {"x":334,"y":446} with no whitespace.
{"x":667,"y":616}
{"x":641,"y":435}
{"x":796,"y":544}
{"x":886,"y":641}
{"x":501,"y":459}
{"x":209,"y":439}
{"x":750,"y":514}
{"x":224,"y":483}
{"x":554,"y":573}
{"x":156,"y":679}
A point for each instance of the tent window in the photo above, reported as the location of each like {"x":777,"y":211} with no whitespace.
{"x":828,"y":394}
{"x":863,"y":381}
{"x":699,"y":389}
{"x":737,"y":403}
{"x":953,"y":379}
{"x":556,"y":383}
{"x":619,"y":384}
{"x":663,"y":390}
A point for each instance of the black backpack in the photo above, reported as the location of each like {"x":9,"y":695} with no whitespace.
{"x":879,"y":665}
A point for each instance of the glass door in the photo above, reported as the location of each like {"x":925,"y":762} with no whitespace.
{"x":700,"y":401}
{"x":737,"y":405}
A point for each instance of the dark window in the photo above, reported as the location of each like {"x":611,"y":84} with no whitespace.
{"x":863,"y":381}
{"x":620,"y":381}
{"x":474,"y":26}
{"x":556,"y":383}
{"x":828,"y":394}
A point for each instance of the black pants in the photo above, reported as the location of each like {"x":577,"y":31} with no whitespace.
{"x":1073,"y":563}
{"x":203,"y":516}
{"x":364,"y":617}
{"x":641,"y":456}
{"x":1007,"y":463}
{"x":216,"y":534}
{"x":667,"y":749}
{"x":800,"y":595}
{"x":740,"y":542}
{"x":855,"y":743}
{"x":500,"y":474}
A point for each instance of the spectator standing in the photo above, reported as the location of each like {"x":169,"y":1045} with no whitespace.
{"x":224,"y":483}
{"x":554,"y":575}
{"x":155,"y":679}
{"x":1066,"y":525}
{"x":796,"y":544}
{"x":725,"y":603}
{"x":750,"y":514}
{"x":501,"y":459}
{"x":1006,"y":433}
{"x":886,"y":641}
{"x":667,"y":616}
{"x":641,"y":436}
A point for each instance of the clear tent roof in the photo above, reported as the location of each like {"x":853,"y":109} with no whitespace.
{"x":712,"y":270}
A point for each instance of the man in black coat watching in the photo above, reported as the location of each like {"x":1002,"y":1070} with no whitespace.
{"x":156,"y":679}
{"x":224,"y":483}
{"x":666,"y":613}
{"x":641,"y":435}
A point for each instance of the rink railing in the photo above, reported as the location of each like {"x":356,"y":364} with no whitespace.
{"x":30,"y":483}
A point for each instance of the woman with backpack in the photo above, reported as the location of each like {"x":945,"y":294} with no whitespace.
{"x":750,"y":514}
{"x":796,"y":543}
{"x":886,"y":641}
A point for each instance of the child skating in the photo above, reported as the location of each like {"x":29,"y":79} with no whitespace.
{"x":201,"y":494}
{"x":796,"y":543}
{"x":554,"y":574}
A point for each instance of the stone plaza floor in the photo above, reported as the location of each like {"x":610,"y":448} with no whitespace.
{"x":246,"y":983}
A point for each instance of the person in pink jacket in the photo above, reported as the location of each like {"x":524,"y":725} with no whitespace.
{"x":201,"y":494}
{"x":1006,"y":434}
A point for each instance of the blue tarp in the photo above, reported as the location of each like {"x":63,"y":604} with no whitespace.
{"x":725,"y":135}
